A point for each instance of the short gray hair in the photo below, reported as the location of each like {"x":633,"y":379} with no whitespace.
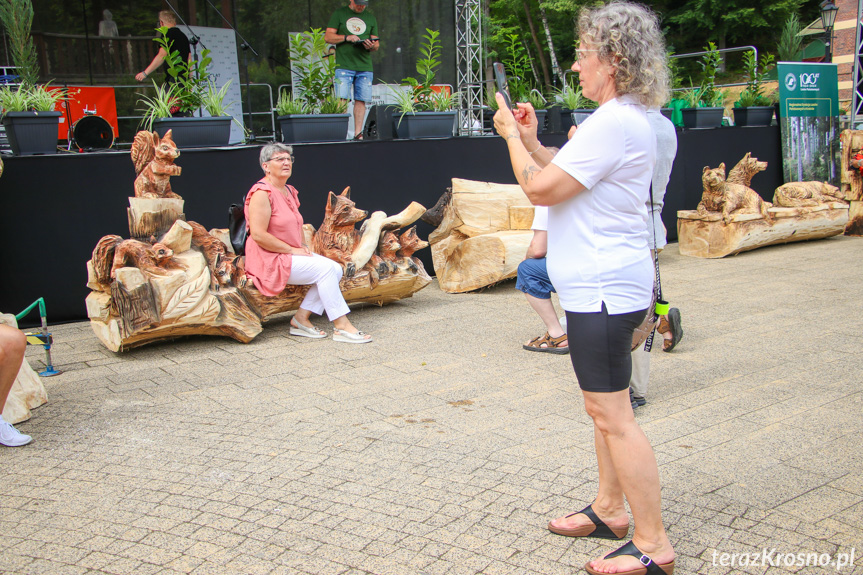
{"x":628,"y":36}
{"x":270,"y":150}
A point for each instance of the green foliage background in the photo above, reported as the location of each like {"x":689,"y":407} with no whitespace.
{"x":688,"y":25}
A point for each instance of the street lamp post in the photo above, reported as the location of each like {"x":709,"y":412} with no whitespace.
{"x":828,"y":18}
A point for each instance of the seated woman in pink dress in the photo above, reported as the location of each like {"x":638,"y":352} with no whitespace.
{"x":276,"y":255}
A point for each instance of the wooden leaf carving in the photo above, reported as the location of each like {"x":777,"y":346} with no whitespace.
{"x":188,"y":296}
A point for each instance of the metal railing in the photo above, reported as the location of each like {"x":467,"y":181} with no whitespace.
{"x":723,"y":50}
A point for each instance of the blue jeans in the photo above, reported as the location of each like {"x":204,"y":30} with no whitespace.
{"x":361,"y":82}
{"x":533,"y":278}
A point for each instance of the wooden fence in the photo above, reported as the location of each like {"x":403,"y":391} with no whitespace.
{"x":95,"y":59}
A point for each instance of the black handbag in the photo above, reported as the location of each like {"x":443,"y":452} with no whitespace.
{"x":237,"y":228}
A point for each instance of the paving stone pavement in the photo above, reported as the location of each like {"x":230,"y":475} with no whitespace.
{"x":443,"y":447}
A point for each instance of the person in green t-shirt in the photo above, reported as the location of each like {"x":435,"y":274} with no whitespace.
{"x":355,"y":34}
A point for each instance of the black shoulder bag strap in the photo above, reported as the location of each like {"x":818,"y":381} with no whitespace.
{"x":657,"y":284}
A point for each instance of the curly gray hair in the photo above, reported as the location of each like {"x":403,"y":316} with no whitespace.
{"x":270,"y":150}
{"x":628,"y":36}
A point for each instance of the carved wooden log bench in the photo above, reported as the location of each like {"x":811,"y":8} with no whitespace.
{"x":174,"y":278}
{"x":707,"y":236}
{"x":732,"y":218}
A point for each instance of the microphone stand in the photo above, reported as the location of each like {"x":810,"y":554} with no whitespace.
{"x":193,"y":42}
{"x":245,"y":47}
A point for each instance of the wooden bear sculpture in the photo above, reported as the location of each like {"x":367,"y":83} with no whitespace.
{"x":728,"y":198}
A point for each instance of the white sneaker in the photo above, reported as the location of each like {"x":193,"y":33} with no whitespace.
{"x":11,"y":437}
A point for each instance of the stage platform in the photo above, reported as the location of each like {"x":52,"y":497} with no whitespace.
{"x":57,"y":207}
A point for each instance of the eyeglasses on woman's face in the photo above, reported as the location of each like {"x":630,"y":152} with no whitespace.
{"x":581,"y":53}
{"x":282,"y":159}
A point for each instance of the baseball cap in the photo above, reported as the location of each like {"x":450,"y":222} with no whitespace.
{"x":361,"y":2}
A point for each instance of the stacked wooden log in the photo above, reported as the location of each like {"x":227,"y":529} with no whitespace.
{"x":852,"y":179}
{"x":483,"y":236}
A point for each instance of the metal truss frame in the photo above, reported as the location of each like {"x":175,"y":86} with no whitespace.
{"x":469,"y":66}
{"x":857,"y":86}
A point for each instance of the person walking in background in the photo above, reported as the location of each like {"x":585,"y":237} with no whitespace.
{"x":599,"y":262}
{"x":176,"y":41}
{"x":669,"y":326}
{"x":354,"y":31}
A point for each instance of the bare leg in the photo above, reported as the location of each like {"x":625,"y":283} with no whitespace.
{"x":13,"y":344}
{"x":545,"y":310}
{"x":359,"y":116}
{"x":608,"y":504}
{"x":627,"y":463}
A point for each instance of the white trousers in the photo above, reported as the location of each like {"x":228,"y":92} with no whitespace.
{"x":323,"y":274}
{"x":641,"y":367}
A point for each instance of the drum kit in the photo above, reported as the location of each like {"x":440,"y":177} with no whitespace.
{"x":91,"y":132}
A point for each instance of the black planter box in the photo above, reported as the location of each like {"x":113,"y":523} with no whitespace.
{"x":309,"y":128}
{"x":32,"y":133}
{"x":754,"y":116}
{"x":424,"y":125}
{"x":579,"y":115}
{"x":542,"y":121}
{"x":702,"y":117}
{"x":196,"y":132}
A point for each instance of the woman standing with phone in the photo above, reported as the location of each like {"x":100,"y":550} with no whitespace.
{"x":599,"y":262}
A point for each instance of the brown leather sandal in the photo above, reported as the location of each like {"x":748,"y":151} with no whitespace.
{"x":552,"y":344}
{"x":670,"y":325}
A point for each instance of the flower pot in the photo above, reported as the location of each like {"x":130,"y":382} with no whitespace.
{"x":32,"y":133}
{"x":541,"y":121}
{"x":667,"y":112}
{"x":196,"y":132}
{"x":307,"y":128}
{"x":753,"y":116}
{"x":696,"y":118}
{"x":425,"y":125}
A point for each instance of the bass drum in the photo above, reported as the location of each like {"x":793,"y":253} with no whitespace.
{"x":92,"y":132}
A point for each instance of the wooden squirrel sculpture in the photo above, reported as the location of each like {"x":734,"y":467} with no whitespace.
{"x":154,"y":163}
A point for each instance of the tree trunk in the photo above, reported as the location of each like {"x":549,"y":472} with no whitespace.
{"x":554,"y":64}
{"x":537,"y":45}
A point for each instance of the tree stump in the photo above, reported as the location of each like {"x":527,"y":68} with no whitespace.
{"x":152,"y":217}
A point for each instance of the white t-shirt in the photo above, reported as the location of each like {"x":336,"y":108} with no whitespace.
{"x":540,"y":218}
{"x":597,"y":240}
{"x":666,"y":150}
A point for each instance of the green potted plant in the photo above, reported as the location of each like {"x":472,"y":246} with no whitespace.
{"x":424,"y":109}
{"x":28,"y":109}
{"x":754,"y":107}
{"x":704,"y":104}
{"x":192,"y":90}
{"x":312,"y":113}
